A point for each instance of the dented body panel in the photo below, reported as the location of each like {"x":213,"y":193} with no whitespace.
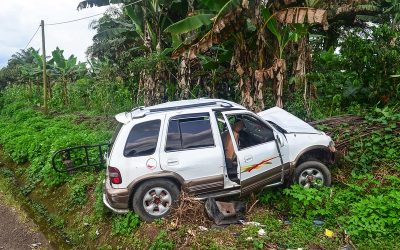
{"x":204,"y":170}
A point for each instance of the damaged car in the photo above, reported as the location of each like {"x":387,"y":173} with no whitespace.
{"x":208,"y":148}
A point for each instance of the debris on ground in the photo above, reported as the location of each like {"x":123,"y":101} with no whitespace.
{"x":356,"y":127}
{"x":251,"y":223}
{"x":329,"y":233}
{"x":318,"y":222}
{"x":35,"y":245}
{"x":225,"y":213}
{"x":261,"y":232}
{"x":203,"y":228}
{"x":189,"y":211}
{"x":345,"y":247}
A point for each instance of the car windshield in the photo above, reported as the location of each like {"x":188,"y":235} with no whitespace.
{"x":277,"y":127}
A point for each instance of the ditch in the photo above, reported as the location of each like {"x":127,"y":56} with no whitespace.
{"x":29,"y":204}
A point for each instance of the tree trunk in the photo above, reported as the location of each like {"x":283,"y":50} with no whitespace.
{"x":152,"y":81}
{"x":65,"y":92}
{"x":50,"y":91}
{"x":184,"y":78}
{"x":38,"y":88}
{"x":240,"y":61}
{"x":280,"y":69}
{"x":148,"y":86}
{"x":139,"y":91}
{"x":30,"y":89}
{"x":300,"y":70}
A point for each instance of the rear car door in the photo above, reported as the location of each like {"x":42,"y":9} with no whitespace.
{"x":259,"y":156}
{"x":190,"y":149}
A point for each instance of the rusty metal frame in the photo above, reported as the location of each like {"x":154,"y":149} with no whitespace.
{"x":65,"y":155}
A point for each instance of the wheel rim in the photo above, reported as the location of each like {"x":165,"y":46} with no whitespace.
{"x":311,"y":177}
{"x":157,"y":201}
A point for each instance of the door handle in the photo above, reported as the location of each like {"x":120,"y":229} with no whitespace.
{"x":248,"y":158}
{"x":172,"y":162}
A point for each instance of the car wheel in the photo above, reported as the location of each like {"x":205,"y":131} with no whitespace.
{"x":312,"y":174}
{"x":154,"y":198}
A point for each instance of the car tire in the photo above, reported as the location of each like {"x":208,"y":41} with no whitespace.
{"x":153,"y":199}
{"x":312,"y":174}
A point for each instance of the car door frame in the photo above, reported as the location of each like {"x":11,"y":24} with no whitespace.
{"x":193,"y":185}
{"x":269,"y":174}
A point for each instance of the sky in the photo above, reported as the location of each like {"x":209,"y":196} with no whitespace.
{"x":19,"y":20}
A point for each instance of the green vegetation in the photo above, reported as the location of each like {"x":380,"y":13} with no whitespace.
{"x":364,"y":201}
{"x":126,"y":224}
{"x":345,"y":60}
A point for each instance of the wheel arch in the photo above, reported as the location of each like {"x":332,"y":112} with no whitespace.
{"x":173,"y":177}
{"x":319,"y":152}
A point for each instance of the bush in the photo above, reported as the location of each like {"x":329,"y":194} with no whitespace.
{"x":365,"y":207}
{"x":125,"y":224}
{"x":162,"y":242}
{"x":29,"y":135}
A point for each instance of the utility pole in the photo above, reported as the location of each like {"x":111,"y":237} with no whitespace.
{"x":44,"y":68}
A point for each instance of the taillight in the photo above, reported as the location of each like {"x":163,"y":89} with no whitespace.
{"x":115,"y":175}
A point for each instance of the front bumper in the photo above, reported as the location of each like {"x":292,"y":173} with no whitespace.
{"x":116,"y":199}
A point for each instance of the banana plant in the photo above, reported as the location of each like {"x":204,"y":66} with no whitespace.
{"x":147,"y":19}
{"x":201,"y":22}
{"x":393,"y":7}
{"x":30,"y":73}
{"x":285,"y":33}
{"x":66,"y":69}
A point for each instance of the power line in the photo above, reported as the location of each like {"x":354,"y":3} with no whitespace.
{"x":74,"y":20}
{"x":83,"y":18}
{"x":32,"y":37}
{"x":71,"y":21}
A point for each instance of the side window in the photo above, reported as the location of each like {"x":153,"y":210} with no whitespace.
{"x":142,"y":139}
{"x":173,"y":136}
{"x":249,"y":131}
{"x":189,"y":131}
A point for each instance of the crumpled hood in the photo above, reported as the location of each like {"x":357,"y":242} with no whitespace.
{"x":287,"y":121}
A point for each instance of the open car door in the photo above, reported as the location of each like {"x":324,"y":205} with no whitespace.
{"x":258,"y":155}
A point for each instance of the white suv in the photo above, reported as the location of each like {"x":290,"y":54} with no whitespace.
{"x":208,"y":148}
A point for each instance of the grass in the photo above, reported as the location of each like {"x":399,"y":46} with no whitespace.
{"x":7,"y":197}
{"x":70,"y":206}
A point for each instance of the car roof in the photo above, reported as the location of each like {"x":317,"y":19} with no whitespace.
{"x":167,"y":107}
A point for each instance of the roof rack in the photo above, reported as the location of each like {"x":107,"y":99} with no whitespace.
{"x":197,"y":105}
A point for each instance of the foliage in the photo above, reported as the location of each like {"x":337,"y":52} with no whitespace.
{"x":361,"y":72}
{"x":367,"y":209}
{"x":98,"y":97}
{"x":162,"y":242}
{"x":20,"y":63}
{"x":125,"y":224}
{"x":365,"y":204}
{"x":20,"y":137}
{"x":226,"y":49}
{"x":379,"y":149}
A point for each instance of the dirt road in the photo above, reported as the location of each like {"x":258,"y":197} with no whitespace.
{"x":17,"y":232}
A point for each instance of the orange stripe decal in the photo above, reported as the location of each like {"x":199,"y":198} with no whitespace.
{"x":257,"y":165}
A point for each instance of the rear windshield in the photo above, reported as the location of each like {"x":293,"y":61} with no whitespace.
{"x":114,"y":137}
{"x":142,"y":139}
{"x":116,"y":132}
